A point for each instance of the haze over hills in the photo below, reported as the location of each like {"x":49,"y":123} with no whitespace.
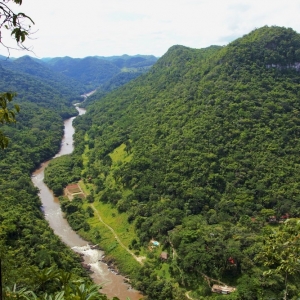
{"x":200,"y":154}
{"x":84,"y":74}
{"x":94,"y":71}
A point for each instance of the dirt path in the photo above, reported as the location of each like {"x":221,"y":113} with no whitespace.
{"x":188,"y":296}
{"x":137,"y":258}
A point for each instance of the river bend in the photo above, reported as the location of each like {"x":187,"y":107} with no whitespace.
{"x":113,"y":284}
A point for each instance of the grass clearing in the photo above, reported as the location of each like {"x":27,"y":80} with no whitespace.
{"x":117,"y":221}
{"x":120,"y":155}
{"x":86,"y":187}
{"x":164,"y":271}
{"x":99,"y":233}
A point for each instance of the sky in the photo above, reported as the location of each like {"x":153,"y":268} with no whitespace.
{"x":79,"y":28}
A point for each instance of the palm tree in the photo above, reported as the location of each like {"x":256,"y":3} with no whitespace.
{"x":16,"y":294}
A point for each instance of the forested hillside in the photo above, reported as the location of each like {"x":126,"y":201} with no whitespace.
{"x":210,"y":142}
{"x":40,"y":92}
{"x":128,"y":61}
{"x":32,"y":257}
{"x":46,"y":98}
{"x":41,"y":71}
{"x":96,"y":71}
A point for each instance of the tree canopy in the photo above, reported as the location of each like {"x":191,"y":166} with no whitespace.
{"x":202,"y":151}
{"x":19,"y":25}
{"x":7,"y":115}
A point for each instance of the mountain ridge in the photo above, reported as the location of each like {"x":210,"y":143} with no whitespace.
{"x":213,"y":137}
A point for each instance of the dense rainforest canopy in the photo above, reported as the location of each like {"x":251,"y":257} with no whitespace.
{"x":211,"y":153}
{"x":201,"y":153}
{"x":28,"y":247}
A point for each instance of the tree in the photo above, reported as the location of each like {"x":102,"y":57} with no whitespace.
{"x":280,"y":252}
{"x":19,"y":25}
{"x":16,"y":23}
{"x":7,"y":115}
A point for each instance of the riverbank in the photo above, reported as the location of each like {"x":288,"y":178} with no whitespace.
{"x":114,"y":235}
{"x":113,"y":285}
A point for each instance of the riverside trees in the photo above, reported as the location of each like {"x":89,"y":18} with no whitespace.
{"x":213,"y":134}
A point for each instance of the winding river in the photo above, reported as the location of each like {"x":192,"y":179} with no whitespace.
{"x":113,"y":284}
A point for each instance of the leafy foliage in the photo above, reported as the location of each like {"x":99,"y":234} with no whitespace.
{"x":63,"y":286}
{"x":19,"y":24}
{"x":213,"y":136}
{"x":26,"y":241}
{"x":6,"y":115}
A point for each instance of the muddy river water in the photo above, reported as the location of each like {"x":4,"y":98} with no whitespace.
{"x":113,"y":284}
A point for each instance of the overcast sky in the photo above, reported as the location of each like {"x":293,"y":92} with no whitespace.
{"x":114,"y":27}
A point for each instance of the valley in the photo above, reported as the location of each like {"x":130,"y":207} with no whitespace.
{"x":190,"y":169}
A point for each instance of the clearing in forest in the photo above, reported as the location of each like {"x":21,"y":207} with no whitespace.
{"x":73,"y":190}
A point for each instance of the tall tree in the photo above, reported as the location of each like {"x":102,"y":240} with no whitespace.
{"x":280,"y":252}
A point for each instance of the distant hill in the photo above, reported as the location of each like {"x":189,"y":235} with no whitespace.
{"x":95,"y":71}
{"x":81,"y":74}
{"x":128,"y":61}
{"x":36,"y":68}
{"x":90,"y":71}
{"x":208,"y":146}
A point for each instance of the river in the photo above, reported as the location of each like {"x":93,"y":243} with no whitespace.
{"x":113,"y":284}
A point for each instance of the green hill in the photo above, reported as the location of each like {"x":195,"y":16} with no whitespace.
{"x":39,"y":91}
{"x":90,"y":71}
{"x":98,"y":71}
{"x":213,"y":139}
{"x":28,"y":247}
{"x":40,"y":70}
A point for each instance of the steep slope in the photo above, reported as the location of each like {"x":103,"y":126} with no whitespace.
{"x":117,"y":81}
{"x":31,"y":89}
{"x":212,"y":138}
{"x":71,"y":88}
{"x":27,"y":244}
{"x":223,"y":107}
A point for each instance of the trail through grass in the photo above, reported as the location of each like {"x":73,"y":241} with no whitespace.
{"x":137,"y":258}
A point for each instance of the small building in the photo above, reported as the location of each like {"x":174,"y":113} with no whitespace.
{"x":272,"y":219}
{"x":231,"y":261}
{"x":155,"y":243}
{"x":222,"y":289}
{"x":164,"y":256}
{"x":283,"y":218}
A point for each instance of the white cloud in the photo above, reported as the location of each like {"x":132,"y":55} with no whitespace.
{"x":100,"y":27}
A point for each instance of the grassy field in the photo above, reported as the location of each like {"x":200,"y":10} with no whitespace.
{"x":99,"y":233}
{"x":120,"y":155}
